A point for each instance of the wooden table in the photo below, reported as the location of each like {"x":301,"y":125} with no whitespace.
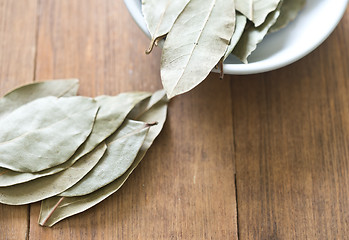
{"x":263,"y":156}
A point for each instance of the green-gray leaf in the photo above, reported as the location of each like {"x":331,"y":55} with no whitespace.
{"x":56,"y":209}
{"x":144,"y":106}
{"x":288,"y":12}
{"x":160,"y":16}
{"x":245,"y":7}
{"x":32,"y":147}
{"x":111,"y":114}
{"x":261,"y":9}
{"x":122,"y":149}
{"x":52,"y":185}
{"x":196,"y":43}
{"x":33,"y":91}
{"x":23,"y":95}
{"x":252,"y":36}
{"x":239,"y":29}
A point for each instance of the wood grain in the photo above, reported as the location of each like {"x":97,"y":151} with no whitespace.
{"x":18,"y":43}
{"x":291,"y":131}
{"x":17,"y":58}
{"x":283,"y":135}
{"x":184,"y":188}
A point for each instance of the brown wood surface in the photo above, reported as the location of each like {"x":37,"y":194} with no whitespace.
{"x":291,"y":131}
{"x":17,"y":60}
{"x":263,"y":156}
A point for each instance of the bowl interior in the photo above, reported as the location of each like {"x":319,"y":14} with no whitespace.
{"x":311,"y":27}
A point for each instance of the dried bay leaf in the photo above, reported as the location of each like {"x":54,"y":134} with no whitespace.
{"x":56,"y":209}
{"x":190,"y":52}
{"x":160,"y":16}
{"x":254,"y":35}
{"x":111,"y":114}
{"x":245,"y":7}
{"x":288,"y":12}
{"x":146,"y":104}
{"x":52,"y":185}
{"x":22,"y":95}
{"x":239,"y":29}
{"x":196,"y":43}
{"x":33,"y":91}
{"x":261,"y":9}
{"x":122,"y":149}
{"x":32,"y":147}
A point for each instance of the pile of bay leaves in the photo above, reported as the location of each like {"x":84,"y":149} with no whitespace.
{"x":71,"y":152}
{"x":200,"y":34}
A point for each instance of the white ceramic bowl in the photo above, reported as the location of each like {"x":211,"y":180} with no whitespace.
{"x":311,"y":27}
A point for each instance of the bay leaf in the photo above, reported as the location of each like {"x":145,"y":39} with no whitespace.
{"x":253,"y":35}
{"x":31,"y":147}
{"x":122,"y":149}
{"x":239,"y":29}
{"x":196,"y":43}
{"x":160,"y":16}
{"x":33,"y":91}
{"x":56,"y":209}
{"x":245,"y":7}
{"x":144,"y":106}
{"x":112,"y":112}
{"x":52,"y":185}
{"x":261,"y":9}
{"x":27,"y":93}
{"x":288,"y":12}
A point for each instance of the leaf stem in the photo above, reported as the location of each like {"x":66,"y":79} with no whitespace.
{"x":3,"y":172}
{"x":153,"y":42}
{"x":221,"y":74}
{"x":151,"y":46}
{"x":151,"y":124}
{"x":54,"y":208}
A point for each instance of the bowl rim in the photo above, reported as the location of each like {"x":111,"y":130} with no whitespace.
{"x":265,"y":65}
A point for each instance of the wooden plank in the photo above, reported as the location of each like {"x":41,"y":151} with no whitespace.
{"x":17,"y":43}
{"x":184,"y":188}
{"x":17,"y":55}
{"x":291,"y":131}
